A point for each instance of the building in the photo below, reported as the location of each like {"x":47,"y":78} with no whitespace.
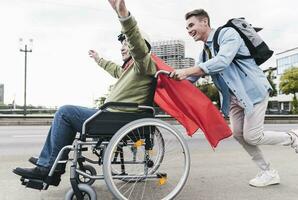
{"x":1,"y":93}
{"x":284,"y":60}
{"x":173,"y":53}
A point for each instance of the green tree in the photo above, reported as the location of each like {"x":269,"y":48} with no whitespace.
{"x":270,"y":78}
{"x":289,"y":85}
{"x":100,"y":101}
{"x":210,"y":91}
{"x":295,"y":105}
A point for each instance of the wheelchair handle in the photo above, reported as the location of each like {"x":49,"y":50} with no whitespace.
{"x":162,"y":72}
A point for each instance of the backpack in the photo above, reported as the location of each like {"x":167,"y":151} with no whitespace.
{"x":258,"y":49}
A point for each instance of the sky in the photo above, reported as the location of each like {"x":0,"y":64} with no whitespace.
{"x":59,"y":70}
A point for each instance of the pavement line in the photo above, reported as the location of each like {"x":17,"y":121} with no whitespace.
{"x":27,"y":136}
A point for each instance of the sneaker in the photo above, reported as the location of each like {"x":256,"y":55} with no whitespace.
{"x":294,"y":134}
{"x":265,"y":178}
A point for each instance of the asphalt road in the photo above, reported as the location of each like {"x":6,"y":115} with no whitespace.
{"x":222,"y":174}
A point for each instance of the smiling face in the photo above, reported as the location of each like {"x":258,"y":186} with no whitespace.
{"x":198,"y":28}
{"x":125,"y":51}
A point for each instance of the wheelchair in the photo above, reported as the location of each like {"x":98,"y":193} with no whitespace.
{"x":139,"y":156}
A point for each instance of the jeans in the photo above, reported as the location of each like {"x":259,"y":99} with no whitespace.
{"x":68,"y":120}
{"x":249,"y":131}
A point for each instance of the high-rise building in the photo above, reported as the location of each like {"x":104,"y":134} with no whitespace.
{"x":1,"y":93}
{"x":173,"y":53}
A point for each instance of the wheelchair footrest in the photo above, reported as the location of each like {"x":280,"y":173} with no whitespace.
{"x":41,"y":184}
{"x":33,"y":183}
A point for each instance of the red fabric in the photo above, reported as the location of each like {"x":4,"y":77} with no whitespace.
{"x":128,"y":64}
{"x":189,"y":106}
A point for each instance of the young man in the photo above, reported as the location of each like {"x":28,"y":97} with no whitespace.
{"x":244,"y":91}
{"x":134,"y":85}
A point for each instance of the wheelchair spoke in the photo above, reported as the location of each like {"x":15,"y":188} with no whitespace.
{"x":144,"y":188}
{"x":155,"y":158}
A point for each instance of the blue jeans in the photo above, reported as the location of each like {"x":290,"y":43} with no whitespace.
{"x":68,"y":120}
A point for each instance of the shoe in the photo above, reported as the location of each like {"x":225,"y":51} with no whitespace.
{"x":35,"y":173}
{"x":294,"y":134}
{"x":33,"y":160}
{"x":265,"y":178}
{"x":60,"y":169}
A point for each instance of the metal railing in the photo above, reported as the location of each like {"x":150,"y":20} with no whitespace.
{"x":46,"y":119}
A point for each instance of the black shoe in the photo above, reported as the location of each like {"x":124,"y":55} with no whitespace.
{"x":35,"y":173}
{"x":60,"y":169}
{"x":33,"y":160}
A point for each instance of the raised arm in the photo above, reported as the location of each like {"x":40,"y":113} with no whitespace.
{"x":120,"y":7}
{"x":112,"y":68}
{"x":137,"y":45}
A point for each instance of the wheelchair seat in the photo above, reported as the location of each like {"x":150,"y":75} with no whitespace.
{"x":106,"y":124}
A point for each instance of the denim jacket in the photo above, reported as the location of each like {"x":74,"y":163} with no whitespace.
{"x":242,"y":78}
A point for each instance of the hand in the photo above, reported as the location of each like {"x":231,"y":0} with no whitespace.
{"x":119,"y":7}
{"x":93,"y":54}
{"x":181,"y":74}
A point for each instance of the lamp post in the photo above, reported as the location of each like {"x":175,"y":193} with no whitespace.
{"x":27,"y":48}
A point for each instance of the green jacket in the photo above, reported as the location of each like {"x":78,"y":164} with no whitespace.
{"x":134,"y":84}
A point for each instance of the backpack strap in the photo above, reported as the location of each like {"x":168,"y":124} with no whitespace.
{"x":204,"y":56}
{"x":215,"y":39}
{"x":216,"y":45}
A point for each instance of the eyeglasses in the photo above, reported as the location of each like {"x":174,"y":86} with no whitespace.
{"x":121,"y":37}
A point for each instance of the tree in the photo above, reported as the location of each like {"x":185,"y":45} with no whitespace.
{"x":295,"y":105}
{"x":289,"y":85}
{"x":210,"y":91}
{"x":270,"y":78}
{"x":100,"y":101}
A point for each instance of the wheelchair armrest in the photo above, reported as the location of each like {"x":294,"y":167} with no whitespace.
{"x":118,"y":104}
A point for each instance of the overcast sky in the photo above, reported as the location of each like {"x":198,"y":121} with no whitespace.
{"x":59,"y":69}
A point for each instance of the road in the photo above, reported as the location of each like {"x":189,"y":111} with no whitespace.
{"x":222,"y":174}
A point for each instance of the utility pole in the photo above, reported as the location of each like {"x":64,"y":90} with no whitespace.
{"x":27,"y":48}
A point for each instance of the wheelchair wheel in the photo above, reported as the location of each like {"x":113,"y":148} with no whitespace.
{"x":156,"y":153}
{"x":150,"y":176}
{"x":89,"y":170}
{"x":87,"y":191}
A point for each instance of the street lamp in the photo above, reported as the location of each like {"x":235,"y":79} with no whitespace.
{"x":27,"y":48}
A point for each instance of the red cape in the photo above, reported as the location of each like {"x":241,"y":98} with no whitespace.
{"x":188,"y":105}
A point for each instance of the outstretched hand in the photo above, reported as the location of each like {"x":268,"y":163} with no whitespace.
{"x":120,"y":7}
{"x":93,"y":54}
